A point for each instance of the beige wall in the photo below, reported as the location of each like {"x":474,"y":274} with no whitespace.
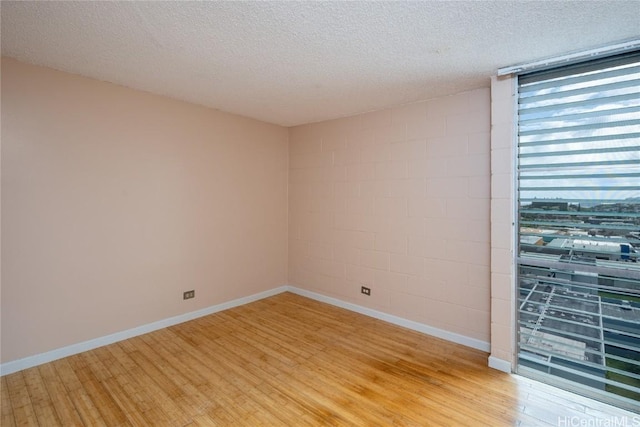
{"x":397,"y":200}
{"x":503,"y":115}
{"x":116,"y":201}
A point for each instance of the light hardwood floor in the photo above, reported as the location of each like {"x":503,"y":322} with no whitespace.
{"x":291,"y":361}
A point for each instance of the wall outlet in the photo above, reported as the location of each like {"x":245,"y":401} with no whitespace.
{"x":189,"y":294}
{"x":365,"y":290}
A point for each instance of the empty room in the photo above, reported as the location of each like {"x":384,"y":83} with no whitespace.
{"x":320,"y":213}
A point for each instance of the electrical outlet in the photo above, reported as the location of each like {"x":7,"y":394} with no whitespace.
{"x":189,"y":294}
{"x":365,"y":290}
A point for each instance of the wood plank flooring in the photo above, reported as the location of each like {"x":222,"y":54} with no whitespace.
{"x":286,"y":361}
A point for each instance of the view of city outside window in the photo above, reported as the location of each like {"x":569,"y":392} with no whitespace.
{"x":579,"y":228}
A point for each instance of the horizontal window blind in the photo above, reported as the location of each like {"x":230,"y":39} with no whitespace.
{"x":579,"y":226}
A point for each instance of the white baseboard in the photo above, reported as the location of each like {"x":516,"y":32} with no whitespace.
{"x":409,"y":324}
{"x":49,"y":356}
{"x":499,"y":364}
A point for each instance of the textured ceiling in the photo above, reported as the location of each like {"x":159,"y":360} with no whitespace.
{"x":297,"y":62}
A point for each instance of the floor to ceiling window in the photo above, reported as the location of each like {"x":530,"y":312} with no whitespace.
{"x":578,"y":258}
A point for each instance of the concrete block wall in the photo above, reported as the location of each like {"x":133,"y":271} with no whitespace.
{"x":502,"y":222}
{"x":397,"y":200}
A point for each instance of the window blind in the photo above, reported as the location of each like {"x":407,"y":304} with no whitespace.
{"x":579,"y":225}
